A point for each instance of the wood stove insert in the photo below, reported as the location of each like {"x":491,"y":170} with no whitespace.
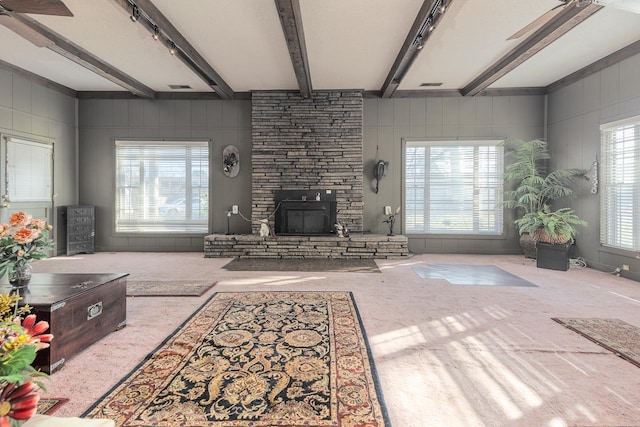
{"x":305,"y":212}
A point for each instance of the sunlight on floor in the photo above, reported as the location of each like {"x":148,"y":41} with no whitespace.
{"x":482,"y":367}
{"x":271,"y":280}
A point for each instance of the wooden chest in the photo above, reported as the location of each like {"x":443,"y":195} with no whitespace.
{"x":80,"y":309}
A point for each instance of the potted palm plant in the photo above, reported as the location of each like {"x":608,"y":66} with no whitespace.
{"x":534,"y":187}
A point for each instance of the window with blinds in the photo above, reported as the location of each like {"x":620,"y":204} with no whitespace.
{"x":620,"y":184}
{"x":453,"y":187}
{"x":162,"y":186}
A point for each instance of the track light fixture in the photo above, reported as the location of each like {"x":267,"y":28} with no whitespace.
{"x":429,"y":23}
{"x":156,"y":33}
{"x":135,"y":14}
{"x":172,"y":48}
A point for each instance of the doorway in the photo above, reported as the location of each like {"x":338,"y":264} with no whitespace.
{"x":27,"y":178}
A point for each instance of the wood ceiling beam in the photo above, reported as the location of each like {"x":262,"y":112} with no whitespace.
{"x":291,"y":20}
{"x":410,"y":50}
{"x":560,"y":24}
{"x":80,"y":56}
{"x":185,"y":51}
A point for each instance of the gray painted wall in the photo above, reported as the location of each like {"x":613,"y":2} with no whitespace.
{"x":575,"y":114}
{"x":101,"y":121}
{"x":35,"y":112}
{"x":388,"y":121}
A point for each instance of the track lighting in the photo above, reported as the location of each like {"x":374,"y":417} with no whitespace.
{"x":135,"y":14}
{"x":156,"y":33}
{"x":172,"y":48}
{"x":429,"y":23}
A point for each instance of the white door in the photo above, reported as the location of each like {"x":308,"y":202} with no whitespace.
{"x":27,"y":178}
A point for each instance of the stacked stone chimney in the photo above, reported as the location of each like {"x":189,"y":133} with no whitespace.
{"x":308,"y":144}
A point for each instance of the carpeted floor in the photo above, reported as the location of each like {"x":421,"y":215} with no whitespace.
{"x":48,"y":405}
{"x":256,"y":359}
{"x":159,"y":288}
{"x":468,"y":275}
{"x":308,"y":264}
{"x":615,"y":335}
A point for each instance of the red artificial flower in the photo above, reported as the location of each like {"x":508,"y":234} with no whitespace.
{"x":18,"y":403}
{"x":35,"y":331}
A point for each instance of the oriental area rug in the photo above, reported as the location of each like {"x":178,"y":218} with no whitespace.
{"x":159,"y":288}
{"x":613,"y":334}
{"x":48,"y":405}
{"x":256,"y":359}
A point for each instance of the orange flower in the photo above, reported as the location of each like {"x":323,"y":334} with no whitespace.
{"x":37,"y":224}
{"x":19,"y":219}
{"x":24,"y":235}
{"x":19,"y":403}
{"x":35,"y":331}
{"x":5,"y":230}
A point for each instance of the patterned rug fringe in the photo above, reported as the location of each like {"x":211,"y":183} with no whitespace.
{"x":167,"y":288}
{"x":617,"y":336}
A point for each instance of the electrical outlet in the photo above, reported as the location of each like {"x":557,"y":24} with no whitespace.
{"x":234,"y":209}
{"x":387,"y":210}
{"x":625,"y":267}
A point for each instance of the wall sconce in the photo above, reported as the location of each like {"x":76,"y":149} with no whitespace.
{"x":379,"y":171}
{"x":172,"y":48}
{"x":156,"y":33}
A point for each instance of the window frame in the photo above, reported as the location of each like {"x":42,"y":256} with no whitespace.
{"x":502,"y":235}
{"x":606,"y":164}
{"x":171,"y":230}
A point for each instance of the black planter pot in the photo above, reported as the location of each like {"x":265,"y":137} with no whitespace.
{"x":553,"y":257}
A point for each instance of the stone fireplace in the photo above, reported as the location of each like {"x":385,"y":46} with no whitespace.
{"x":310,"y":146}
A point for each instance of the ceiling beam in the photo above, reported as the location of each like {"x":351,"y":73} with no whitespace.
{"x":599,"y":65}
{"x":419,"y":33}
{"x":569,"y":17}
{"x":38,"y":79}
{"x":291,"y":20}
{"x":185,"y":51}
{"x":80,"y":56}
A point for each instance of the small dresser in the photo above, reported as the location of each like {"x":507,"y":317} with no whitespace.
{"x":80,"y":228}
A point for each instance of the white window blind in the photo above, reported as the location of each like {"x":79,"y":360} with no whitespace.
{"x":453,"y":187}
{"x":162,"y":186}
{"x":620,"y":184}
{"x":29,"y":166}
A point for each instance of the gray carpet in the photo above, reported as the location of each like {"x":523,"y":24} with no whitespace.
{"x":308,"y":264}
{"x":469,"y":275}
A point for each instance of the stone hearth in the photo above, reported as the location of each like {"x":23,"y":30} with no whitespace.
{"x":356,"y":246}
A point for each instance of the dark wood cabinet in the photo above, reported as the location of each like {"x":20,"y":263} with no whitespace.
{"x":80,"y":229}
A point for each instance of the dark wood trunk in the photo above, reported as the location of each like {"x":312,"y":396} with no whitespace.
{"x":80,"y":309}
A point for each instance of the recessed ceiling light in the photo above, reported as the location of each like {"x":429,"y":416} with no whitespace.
{"x":430,"y":84}
{"x":176,"y":87}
